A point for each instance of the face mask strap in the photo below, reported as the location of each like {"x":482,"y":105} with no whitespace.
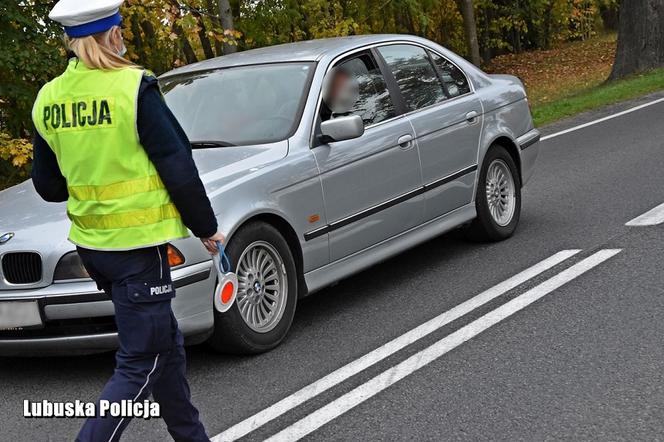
{"x":123,"y":50}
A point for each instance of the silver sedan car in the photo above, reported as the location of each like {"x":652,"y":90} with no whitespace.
{"x":321,"y":158}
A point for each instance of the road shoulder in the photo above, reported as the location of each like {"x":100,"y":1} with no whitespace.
{"x":596,"y":114}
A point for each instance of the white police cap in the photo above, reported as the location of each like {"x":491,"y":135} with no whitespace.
{"x":82,"y":18}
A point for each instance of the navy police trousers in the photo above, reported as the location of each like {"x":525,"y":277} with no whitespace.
{"x":151,"y":358}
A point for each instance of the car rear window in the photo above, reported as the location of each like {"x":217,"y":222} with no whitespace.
{"x":454,"y":80}
{"x":415,"y":75}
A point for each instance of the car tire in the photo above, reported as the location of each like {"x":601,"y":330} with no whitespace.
{"x":498,"y":198}
{"x":239,"y":330}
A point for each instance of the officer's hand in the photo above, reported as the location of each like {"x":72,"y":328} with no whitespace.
{"x":210,"y":243}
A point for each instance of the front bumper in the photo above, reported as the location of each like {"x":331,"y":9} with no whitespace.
{"x":529,"y":150}
{"x":78,"y":319}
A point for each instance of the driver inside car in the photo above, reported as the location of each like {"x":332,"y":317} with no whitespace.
{"x":340,"y":93}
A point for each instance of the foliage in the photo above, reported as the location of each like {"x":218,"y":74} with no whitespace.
{"x":569,"y":79}
{"x":16,"y":154}
{"x":517,"y":25}
{"x":279,"y":21}
{"x":168,"y":33}
{"x":30,"y":55}
{"x":16,"y":150}
{"x":162,"y":34}
{"x":553,"y":74}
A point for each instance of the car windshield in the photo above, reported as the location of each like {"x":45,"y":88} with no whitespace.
{"x":241,"y":105}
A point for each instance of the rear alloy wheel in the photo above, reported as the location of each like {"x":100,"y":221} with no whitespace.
{"x":500,"y":192}
{"x":498,"y":199}
{"x":267,"y":293}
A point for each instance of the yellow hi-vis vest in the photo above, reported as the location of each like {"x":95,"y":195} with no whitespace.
{"x":116,"y":199}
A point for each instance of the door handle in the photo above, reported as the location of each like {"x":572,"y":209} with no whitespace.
{"x":405,"y":141}
{"x":470,"y":116}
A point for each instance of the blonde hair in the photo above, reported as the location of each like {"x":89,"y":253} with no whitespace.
{"x":95,"y":52}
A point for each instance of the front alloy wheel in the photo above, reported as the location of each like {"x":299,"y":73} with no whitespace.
{"x":267,"y":292}
{"x":262,"y":286}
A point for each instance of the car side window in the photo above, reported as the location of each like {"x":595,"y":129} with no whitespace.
{"x":415,"y":75}
{"x":373,"y":103}
{"x":454,"y":79}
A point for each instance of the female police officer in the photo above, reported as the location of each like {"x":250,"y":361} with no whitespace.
{"x":107,"y":144}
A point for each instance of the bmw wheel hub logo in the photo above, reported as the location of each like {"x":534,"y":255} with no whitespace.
{"x":6,"y":237}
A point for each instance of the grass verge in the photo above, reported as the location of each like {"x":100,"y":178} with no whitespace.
{"x":597,"y":96}
{"x":571,"y":78}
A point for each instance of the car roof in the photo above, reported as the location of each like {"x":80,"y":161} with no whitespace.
{"x":302,"y":51}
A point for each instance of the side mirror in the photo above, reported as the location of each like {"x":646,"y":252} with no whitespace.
{"x":341,"y":129}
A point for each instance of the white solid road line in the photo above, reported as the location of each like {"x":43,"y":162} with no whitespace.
{"x":379,"y":383}
{"x":650,"y":218}
{"x":601,"y":120}
{"x":336,"y":377}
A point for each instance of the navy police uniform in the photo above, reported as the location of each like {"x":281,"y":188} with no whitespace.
{"x":151,"y":358}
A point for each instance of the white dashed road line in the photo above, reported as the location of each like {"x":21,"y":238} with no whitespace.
{"x":653,"y":217}
{"x":379,"y":383}
{"x":601,"y":120}
{"x":340,"y":375}
{"x":650,"y":218}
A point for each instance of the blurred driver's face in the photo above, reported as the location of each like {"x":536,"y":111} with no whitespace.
{"x":341,"y":93}
{"x":339,"y":82}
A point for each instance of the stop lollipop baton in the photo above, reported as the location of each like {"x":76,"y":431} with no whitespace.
{"x":224,"y":295}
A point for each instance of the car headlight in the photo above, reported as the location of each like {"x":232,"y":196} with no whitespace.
{"x":70,"y":267}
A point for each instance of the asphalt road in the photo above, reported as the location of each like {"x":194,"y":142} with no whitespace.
{"x":572,"y":353}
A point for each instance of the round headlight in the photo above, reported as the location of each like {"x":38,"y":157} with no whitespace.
{"x":70,"y":267}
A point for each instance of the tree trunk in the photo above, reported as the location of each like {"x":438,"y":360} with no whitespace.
{"x":609,"y":16}
{"x":189,"y":54}
{"x":470,"y":29}
{"x":487,"y":50}
{"x":137,"y":41}
{"x":640,"y":37}
{"x":212,"y":10}
{"x":226,"y":15}
{"x":148,"y":30}
{"x":546,"y":40}
{"x":203,"y":36}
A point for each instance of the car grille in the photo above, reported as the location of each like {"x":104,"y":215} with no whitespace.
{"x":22,"y":267}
